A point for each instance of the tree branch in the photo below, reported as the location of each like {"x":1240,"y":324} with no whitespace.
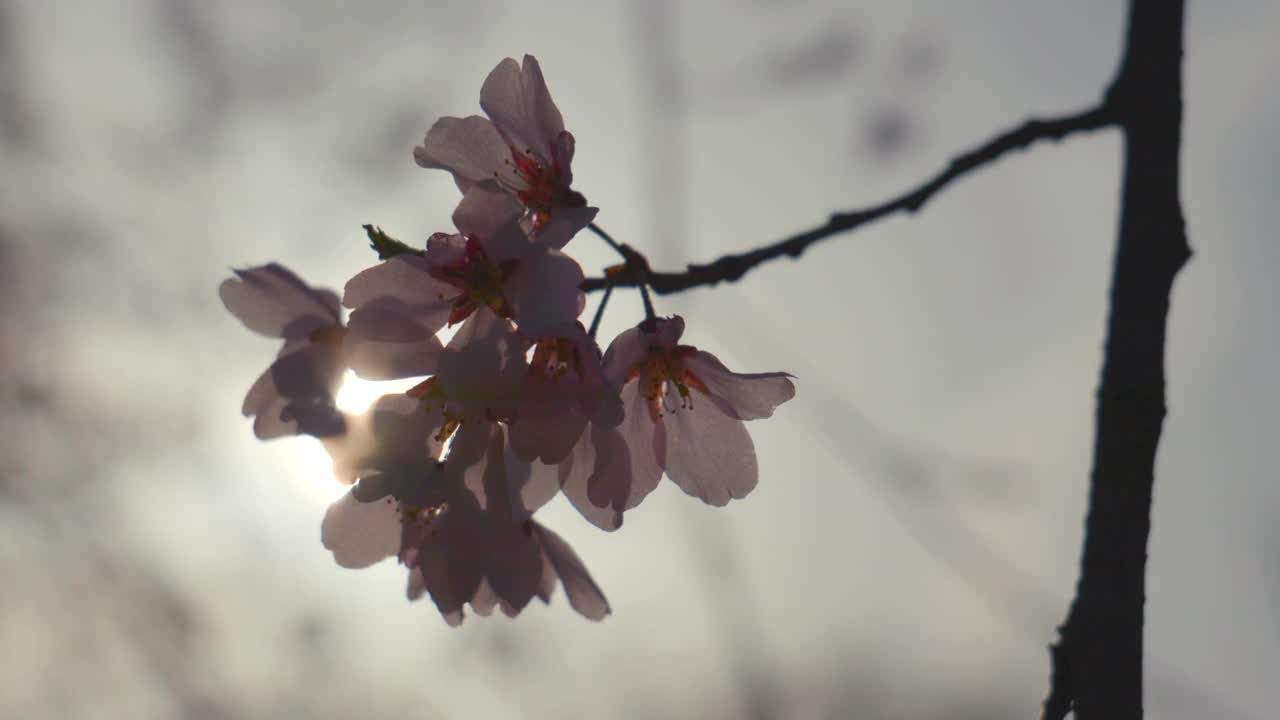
{"x":1097,"y":663}
{"x":730,"y":268}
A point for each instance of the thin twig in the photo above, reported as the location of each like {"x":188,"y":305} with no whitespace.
{"x":636,"y":266}
{"x":648,"y":302}
{"x":595,"y":321}
{"x":607,"y":238}
{"x":732,"y":267}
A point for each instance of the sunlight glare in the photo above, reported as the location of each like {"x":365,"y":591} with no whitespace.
{"x":353,"y":398}
{"x":356,"y":395}
{"x":316,"y":467}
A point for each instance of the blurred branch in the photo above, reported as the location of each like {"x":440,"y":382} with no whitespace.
{"x":17,"y":129}
{"x":731,"y":268}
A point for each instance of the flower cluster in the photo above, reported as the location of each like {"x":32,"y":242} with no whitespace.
{"x":520,"y":404}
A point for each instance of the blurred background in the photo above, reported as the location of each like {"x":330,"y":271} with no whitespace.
{"x":914,"y":538}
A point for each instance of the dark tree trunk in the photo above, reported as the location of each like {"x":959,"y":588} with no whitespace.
{"x":1098,"y":660}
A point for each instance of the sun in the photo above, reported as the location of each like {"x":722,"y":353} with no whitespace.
{"x":354,"y":397}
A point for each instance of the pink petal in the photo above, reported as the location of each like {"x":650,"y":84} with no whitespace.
{"x":740,"y":395}
{"x":515,"y":567}
{"x":485,"y":599}
{"x":390,"y":319}
{"x":469,"y":147}
{"x":508,"y":242}
{"x":521,"y":106}
{"x":507,"y":490}
{"x":538,"y":483}
{"x":645,"y":440}
{"x":417,"y":585}
{"x":482,"y":369}
{"x":404,"y":277}
{"x":273,"y":301}
{"x":270,"y":423}
{"x":261,"y":394}
{"x":584,"y":595}
{"x":562,"y":153}
{"x":564,"y":224}
{"x":543,"y":291}
{"x":597,"y":479}
{"x":374,"y":360}
{"x":613,"y":481}
{"x":668,"y":331}
{"x":497,"y":493}
{"x":360,"y":534}
{"x":631,"y":347}
{"x":549,"y":121}
{"x":709,"y":454}
{"x":605,"y":408}
{"x":449,"y":577}
{"x":389,"y":340}
{"x":547,"y":432}
{"x":575,"y":474}
{"x":310,"y":374}
{"x":483,"y":211}
{"x":405,"y":430}
{"x":627,"y":350}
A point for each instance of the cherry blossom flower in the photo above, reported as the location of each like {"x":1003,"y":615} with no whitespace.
{"x":685,"y":411}
{"x":457,"y":537}
{"x":599,"y":479}
{"x":480,"y":373}
{"x":478,"y":385}
{"x":295,"y":394}
{"x":564,"y":389}
{"x":565,"y":426}
{"x":400,"y":304}
{"x":521,"y":150}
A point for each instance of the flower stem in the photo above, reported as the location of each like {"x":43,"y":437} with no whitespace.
{"x":648,"y":302}
{"x":634,"y":261}
{"x":607,"y":238}
{"x":595,"y":321}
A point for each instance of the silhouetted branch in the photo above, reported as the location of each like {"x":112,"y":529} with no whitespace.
{"x":732,"y":267}
{"x":1097,"y":663}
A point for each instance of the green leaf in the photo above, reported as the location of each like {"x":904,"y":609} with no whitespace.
{"x":386,"y":246}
